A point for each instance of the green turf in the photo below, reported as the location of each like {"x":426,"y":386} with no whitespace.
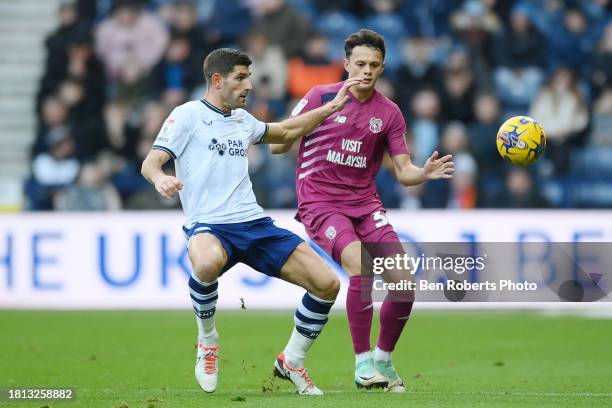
{"x":145,"y":359}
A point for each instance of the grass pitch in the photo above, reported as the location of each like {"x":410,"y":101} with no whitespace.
{"x":146,"y":359}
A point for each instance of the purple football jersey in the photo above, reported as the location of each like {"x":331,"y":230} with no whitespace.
{"x":338,"y":161}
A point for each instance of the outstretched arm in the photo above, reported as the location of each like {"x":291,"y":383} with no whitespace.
{"x":289,"y":130}
{"x":410,"y":175}
{"x":167,"y":186}
{"x":281,"y":148}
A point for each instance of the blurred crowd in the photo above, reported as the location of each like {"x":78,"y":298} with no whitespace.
{"x":457,"y":69}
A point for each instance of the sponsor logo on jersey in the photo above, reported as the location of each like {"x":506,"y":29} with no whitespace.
{"x":340,"y":119}
{"x":232,"y":147}
{"x":375,"y":125}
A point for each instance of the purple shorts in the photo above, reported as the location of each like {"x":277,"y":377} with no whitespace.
{"x":333,"y":229}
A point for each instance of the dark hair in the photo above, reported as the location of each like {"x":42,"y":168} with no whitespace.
{"x":222,"y":61}
{"x":365,"y":37}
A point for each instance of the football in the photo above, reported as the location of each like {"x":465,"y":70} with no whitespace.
{"x":521,"y":140}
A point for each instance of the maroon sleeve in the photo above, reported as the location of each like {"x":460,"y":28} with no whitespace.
{"x":396,"y":136}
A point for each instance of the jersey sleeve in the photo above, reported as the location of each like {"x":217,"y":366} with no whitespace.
{"x":310,"y":101}
{"x":396,"y":136}
{"x":175,"y":132}
{"x":256,"y":128}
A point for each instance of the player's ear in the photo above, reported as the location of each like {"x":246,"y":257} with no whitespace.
{"x":345,"y":62}
{"x":216,"y":80}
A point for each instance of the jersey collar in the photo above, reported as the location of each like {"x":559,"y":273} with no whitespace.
{"x":215,"y":109}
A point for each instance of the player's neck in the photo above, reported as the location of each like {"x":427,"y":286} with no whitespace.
{"x":217,"y":102}
{"x":362,"y":96}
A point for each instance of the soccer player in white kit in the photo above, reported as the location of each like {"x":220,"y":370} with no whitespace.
{"x":208,"y":140}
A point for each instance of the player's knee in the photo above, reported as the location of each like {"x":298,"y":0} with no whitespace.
{"x":334,"y":286}
{"x":207,"y":270}
{"x":327,"y":287}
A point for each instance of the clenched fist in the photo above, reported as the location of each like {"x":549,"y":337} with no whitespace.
{"x":168,"y":186}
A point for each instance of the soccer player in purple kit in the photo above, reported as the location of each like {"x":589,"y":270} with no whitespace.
{"x":338,"y":202}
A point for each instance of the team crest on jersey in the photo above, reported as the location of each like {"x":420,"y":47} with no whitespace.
{"x":375,"y":125}
{"x":330,"y":232}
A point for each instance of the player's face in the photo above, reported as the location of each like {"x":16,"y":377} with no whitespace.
{"x":367,"y":63}
{"x":236,"y":86}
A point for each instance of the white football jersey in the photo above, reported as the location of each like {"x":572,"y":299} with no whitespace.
{"x":209,"y":148}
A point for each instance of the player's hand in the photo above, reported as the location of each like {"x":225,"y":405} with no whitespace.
{"x":342,"y":97}
{"x":442,"y":168}
{"x":168,"y":186}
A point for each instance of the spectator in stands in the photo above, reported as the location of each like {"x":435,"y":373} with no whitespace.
{"x":84,"y":67}
{"x":481,"y":133}
{"x":483,"y":130}
{"x":519,"y":192}
{"x":596,"y":10}
{"x":383,"y":17}
{"x":462,"y":188}
{"x":475,"y":24}
{"x":115,"y":116}
{"x":571,"y":41}
{"x":136,"y":192}
{"x":458,"y":87}
{"x":474,"y":21}
{"x":56,"y":45}
{"x":262,"y":106}
{"x":521,"y":45}
{"x":389,"y":190}
{"x":418,"y":69}
{"x":127,"y":177}
{"x":53,"y":114}
{"x":269,"y":65}
{"x":601,"y":74}
{"x":184,"y":23}
{"x":519,"y":56}
{"x":227,"y":23}
{"x":424,"y":124}
{"x":312,"y":67}
{"x":281,"y":25}
{"x":86,"y":124}
{"x":130,"y":42}
{"x":387,"y":88}
{"x":177,"y":73}
{"x":92,"y":191}
{"x":564,"y":114}
{"x":279,"y":180}
{"x":52,"y":169}
{"x":601,"y":133}
{"x":428,"y":18}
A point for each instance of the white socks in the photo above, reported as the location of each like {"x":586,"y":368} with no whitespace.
{"x":381,"y":355}
{"x":377,"y":354}
{"x":366,"y":355}
{"x":207,"y":333}
{"x":296,"y":349}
